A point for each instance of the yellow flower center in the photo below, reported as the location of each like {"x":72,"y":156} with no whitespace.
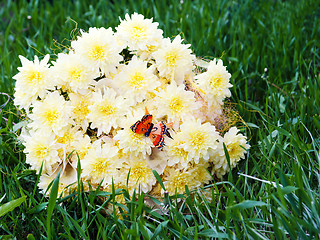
{"x":216,"y":81}
{"x":139,"y":171}
{"x":171,"y":59}
{"x":176,"y":105}
{"x":98,"y":52}
{"x":107,"y":109}
{"x":66,"y":138}
{"x":234,"y":150}
{"x":40,"y":151}
{"x":51,"y":116}
{"x":198,"y":139}
{"x":136,"y":80}
{"x":138,"y":32}
{"x":81,"y":110}
{"x":100,"y":166}
{"x":178,"y":181}
{"x":35,"y":77}
{"x":75,"y":74}
{"x":177,"y":151}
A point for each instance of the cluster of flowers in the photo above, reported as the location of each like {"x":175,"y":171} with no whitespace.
{"x":88,"y":104}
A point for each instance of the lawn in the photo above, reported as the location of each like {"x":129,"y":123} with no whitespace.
{"x":271,"y":48}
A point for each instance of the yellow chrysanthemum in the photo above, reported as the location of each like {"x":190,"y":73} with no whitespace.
{"x":32,"y":81}
{"x":175,"y":180}
{"x":80,"y":112}
{"x":174,"y":60}
{"x":140,"y":175}
{"x":71,"y":73}
{"x":100,"y":163}
{"x":177,"y":154}
{"x":236,"y":143}
{"x":136,"y":80}
{"x":41,"y":147}
{"x":52,"y":113}
{"x":138,"y":33}
{"x":215,"y":82}
{"x":107,"y":111}
{"x":200,"y":139}
{"x":98,"y":49}
{"x":176,"y":103}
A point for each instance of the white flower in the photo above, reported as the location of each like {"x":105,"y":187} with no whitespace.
{"x":200,"y":139}
{"x":41,"y":147}
{"x":138,"y":33}
{"x":100,"y":163}
{"x":174,"y":59}
{"x":130,"y":142}
{"x":98,"y":49}
{"x":140,"y":174}
{"x":80,"y":112}
{"x":176,"y":179}
{"x":175,"y":102}
{"x":32,"y":81}
{"x":215,"y":82}
{"x":71,"y":73}
{"x":107,"y":111}
{"x":136,"y":80}
{"x":177,"y":154}
{"x":236,"y":144}
{"x":52,"y":113}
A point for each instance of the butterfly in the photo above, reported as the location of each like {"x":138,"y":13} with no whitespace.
{"x":143,"y":126}
{"x":155,"y":132}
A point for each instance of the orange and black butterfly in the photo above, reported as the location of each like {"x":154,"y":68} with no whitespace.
{"x":155,"y":132}
{"x":144,"y":126}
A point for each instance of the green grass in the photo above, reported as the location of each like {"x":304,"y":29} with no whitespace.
{"x":273,"y":194}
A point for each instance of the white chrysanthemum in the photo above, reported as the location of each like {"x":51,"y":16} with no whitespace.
{"x":200,"y":139}
{"x":177,"y":154}
{"x":32,"y":81}
{"x":136,"y":80}
{"x":215,"y":82}
{"x":130,"y":142}
{"x":138,"y":33}
{"x":41,"y":147}
{"x":200,"y":173}
{"x":100,"y":163}
{"x":176,"y":179}
{"x":52,"y":113}
{"x":176,"y":103}
{"x":67,"y":139}
{"x":98,"y":49}
{"x":140,"y":174}
{"x":82,"y":144}
{"x":236,"y":143}
{"x":107,"y":111}
{"x":174,"y":59}
{"x":71,"y":73}
{"x":80,"y":112}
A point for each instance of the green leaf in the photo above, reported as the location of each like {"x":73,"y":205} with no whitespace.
{"x":248,"y":204}
{"x":158,"y":179}
{"x":212,"y":233}
{"x":9,"y":206}
{"x":52,"y":203}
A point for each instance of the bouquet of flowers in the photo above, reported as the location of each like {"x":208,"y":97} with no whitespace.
{"x":125,"y":103}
